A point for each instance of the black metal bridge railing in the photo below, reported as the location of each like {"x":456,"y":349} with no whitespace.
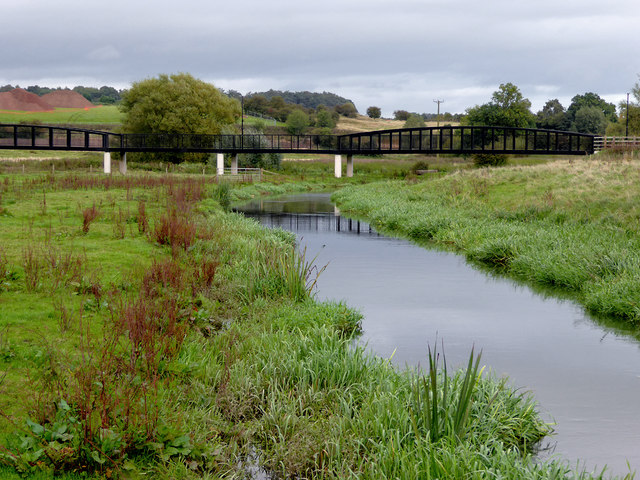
{"x":429,"y":140}
{"x":469,"y":140}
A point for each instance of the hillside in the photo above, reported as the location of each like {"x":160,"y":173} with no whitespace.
{"x":364,"y":124}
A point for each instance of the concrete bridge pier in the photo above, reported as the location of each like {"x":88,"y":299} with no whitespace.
{"x":122,"y":166}
{"x":234,"y":164}
{"x":349,"y":165}
{"x":107,"y":162}
{"x":337,"y":170}
{"x":220,"y":163}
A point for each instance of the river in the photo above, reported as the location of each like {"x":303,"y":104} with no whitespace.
{"x":585,"y":375}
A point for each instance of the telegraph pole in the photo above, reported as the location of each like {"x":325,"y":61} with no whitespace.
{"x":626,"y":130}
{"x":242,"y":115}
{"x":438,"y":115}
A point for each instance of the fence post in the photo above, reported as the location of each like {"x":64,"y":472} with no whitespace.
{"x":219,"y":163}
{"x":337,"y":170}
{"x":234,"y":164}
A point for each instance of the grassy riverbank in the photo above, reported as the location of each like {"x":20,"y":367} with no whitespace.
{"x":146,"y":331}
{"x":569,"y":224}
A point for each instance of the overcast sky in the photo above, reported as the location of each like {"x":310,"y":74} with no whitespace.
{"x":396,"y":54}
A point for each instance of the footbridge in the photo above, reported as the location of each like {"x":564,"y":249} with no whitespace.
{"x":458,"y":140}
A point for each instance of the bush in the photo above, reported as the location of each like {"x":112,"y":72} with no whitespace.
{"x":374,"y":112}
{"x":419,"y":165}
{"x":490,"y":159}
{"x":297,"y":122}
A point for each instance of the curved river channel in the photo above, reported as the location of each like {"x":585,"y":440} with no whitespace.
{"x":585,"y":376}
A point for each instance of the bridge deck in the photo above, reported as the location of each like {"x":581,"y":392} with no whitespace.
{"x":430,"y":140}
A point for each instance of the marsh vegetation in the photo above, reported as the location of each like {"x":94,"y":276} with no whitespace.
{"x":145,"y":330}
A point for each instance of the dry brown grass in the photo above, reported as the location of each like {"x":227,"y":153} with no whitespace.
{"x":364,"y":124}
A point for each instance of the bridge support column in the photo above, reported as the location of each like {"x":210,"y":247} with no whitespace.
{"x":338,"y":166}
{"x":220,"y":163}
{"x":122,"y":166}
{"x":107,"y":162}
{"x":234,"y":164}
{"x":349,"y":165}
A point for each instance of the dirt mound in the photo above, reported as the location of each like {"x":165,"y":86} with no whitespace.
{"x":66,"y":99}
{"x":19,"y":99}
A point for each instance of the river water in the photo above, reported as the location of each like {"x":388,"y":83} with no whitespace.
{"x":585,"y":375}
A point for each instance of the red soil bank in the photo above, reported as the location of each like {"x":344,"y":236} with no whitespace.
{"x":19,"y":99}
{"x":66,"y":99}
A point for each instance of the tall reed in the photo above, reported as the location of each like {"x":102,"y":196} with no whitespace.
{"x":438,"y":410}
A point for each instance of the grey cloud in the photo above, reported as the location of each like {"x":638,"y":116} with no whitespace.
{"x":399,"y":54}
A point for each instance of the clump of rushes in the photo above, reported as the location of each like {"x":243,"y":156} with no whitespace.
{"x":88,"y":216}
{"x":143,"y":221}
{"x":4,"y":264}
{"x":435,"y":413}
{"x":32,"y":266}
{"x":174,"y":229}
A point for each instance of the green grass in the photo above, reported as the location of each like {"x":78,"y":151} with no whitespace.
{"x":250,"y":362}
{"x":104,"y":114}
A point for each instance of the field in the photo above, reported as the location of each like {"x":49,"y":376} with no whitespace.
{"x":104,"y":114}
{"x":364,"y":124}
{"x":148,"y":331}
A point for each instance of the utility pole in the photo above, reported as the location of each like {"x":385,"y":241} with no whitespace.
{"x":626,"y":130}
{"x":242,"y":121}
{"x":438,"y":115}
{"x":242,"y":114}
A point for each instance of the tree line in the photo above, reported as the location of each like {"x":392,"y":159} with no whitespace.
{"x":587,"y":113}
{"x":318,"y":113}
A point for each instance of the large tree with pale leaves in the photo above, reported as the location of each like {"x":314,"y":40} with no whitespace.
{"x":177,"y":103}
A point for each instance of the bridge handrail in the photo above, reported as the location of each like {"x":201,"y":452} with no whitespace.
{"x":60,"y":127}
{"x":465,"y":127}
{"x":463,"y":139}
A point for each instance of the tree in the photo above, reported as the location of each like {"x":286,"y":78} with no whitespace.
{"x":553,"y":116}
{"x":256,"y":104}
{"x":297,"y":122}
{"x":177,"y":103}
{"x":414,"y":121}
{"x":374,"y":112}
{"x":347,"y":110}
{"x":590,"y":120}
{"x":507,"y":108}
{"x":633,"y":111}
{"x":324,"y":119}
{"x":401,"y":115}
{"x":591,"y":99}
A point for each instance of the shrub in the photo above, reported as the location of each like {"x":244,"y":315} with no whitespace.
{"x":419,"y":165}
{"x":490,"y":159}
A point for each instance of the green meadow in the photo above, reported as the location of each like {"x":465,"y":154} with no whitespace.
{"x":146,"y":330}
{"x":103,"y":114}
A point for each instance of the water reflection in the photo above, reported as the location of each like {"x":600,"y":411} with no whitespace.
{"x":314,"y":212}
{"x":315,"y":223}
